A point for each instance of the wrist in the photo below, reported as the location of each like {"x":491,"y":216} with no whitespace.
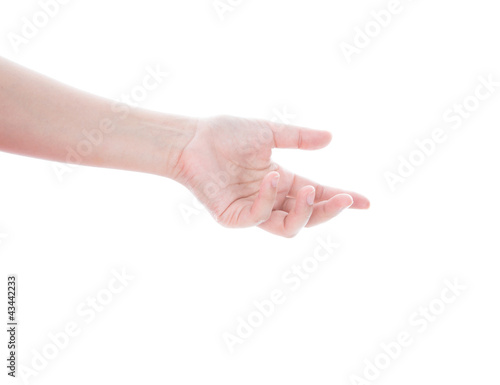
{"x":159,"y":141}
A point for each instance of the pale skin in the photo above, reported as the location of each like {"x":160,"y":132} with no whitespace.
{"x":224,"y":161}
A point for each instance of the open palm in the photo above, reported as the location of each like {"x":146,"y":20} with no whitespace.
{"x":227,"y":165}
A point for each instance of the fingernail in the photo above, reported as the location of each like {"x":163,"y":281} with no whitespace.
{"x":344,"y":208}
{"x":310,"y":197}
{"x":350,"y":204}
{"x":275,"y":180}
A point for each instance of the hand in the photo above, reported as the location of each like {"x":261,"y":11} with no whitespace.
{"x":227,"y":165}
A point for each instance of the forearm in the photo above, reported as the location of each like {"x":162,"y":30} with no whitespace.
{"x":42,"y":118}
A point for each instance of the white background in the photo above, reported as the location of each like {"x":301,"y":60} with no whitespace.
{"x":193,"y":278}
